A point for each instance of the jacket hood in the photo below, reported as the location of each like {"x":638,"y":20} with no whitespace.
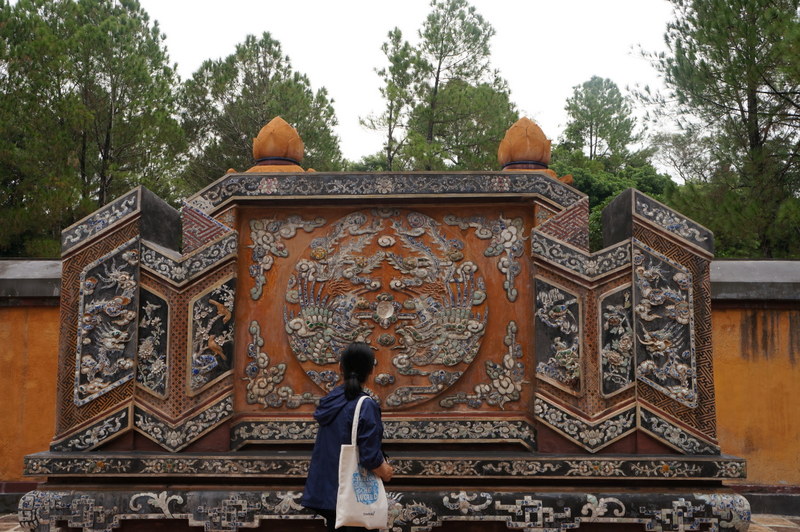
{"x":330,"y":406}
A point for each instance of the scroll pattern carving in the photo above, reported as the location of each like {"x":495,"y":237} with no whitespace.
{"x":505,"y":379}
{"x":263,"y":377}
{"x":267,"y":236}
{"x":506,"y":240}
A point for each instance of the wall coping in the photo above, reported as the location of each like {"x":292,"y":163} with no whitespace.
{"x":776,"y":280}
{"x":30,"y":278}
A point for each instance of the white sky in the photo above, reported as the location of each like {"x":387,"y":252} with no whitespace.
{"x":543,"y":48}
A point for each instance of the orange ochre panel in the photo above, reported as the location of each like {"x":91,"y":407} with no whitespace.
{"x":756,"y":373}
{"x":29,"y":355}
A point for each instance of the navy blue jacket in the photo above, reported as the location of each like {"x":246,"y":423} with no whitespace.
{"x":335,"y":416}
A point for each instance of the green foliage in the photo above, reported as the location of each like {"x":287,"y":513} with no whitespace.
{"x":600,"y":122}
{"x":735,"y":83}
{"x":86,"y":112}
{"x":595,"y":151}
{"x":445,"y":106}
{"x":227,"y":101}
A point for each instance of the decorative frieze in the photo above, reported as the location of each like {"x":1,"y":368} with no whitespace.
{"x":229,"y":511}
{"x":672,"y":222}
{"x":255,"y":185}
{"x":97,"y":433}
{"x":672,"y":434}
{"x":100,"y":220}
{"x":266,"y":463}
{"x":590,"y":266}
{"x":180,"y":270}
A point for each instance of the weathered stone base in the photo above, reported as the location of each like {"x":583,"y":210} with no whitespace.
{"x":109,"y":508}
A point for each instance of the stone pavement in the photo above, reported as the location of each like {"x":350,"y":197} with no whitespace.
{"x":761,"y":523}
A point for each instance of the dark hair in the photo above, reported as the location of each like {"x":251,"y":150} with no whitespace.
{"x":357,"y":363}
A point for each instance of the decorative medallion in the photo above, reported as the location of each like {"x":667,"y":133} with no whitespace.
{"x":267,"y":236}
{"x":558,"y":337}
{"x":664,"y":325}
{"x":107,"y":323}
{"x":397,"y":279}
{"x":211,"y":325}
{"x":152,"y":363}
{"x":616,"y":330}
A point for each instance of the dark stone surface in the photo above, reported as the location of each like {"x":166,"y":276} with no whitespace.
{"x":774,"y":503}
{"x":160,"y":223}
{"x":617,"y":219}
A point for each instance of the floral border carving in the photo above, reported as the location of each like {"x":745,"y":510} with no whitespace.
{"x":180,"y":271}
{"x":255,"y":185}
{"x":674,"y":435}
{"x":176,"y":437}
{"x":592,"y":436}
{"x":588,"y":265}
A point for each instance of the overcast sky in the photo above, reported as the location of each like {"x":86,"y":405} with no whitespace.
{"x":543,"y":48}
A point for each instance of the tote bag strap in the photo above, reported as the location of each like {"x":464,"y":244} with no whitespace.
{"x":354,"y":429}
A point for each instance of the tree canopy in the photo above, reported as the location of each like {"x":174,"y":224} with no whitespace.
{"x":734,"y":83}
{"x":445,"y":107}
{"x":596,"y":150}
{"x":227,"y":101}
{"x":86,"y":112}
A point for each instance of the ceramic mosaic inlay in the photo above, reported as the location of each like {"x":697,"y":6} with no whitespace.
{"x":616,"y":329}
{"x":106,"y":350}
{"x":393,"y":277}
{"x":665,"y":357}
{"x":212,"y":326}
{"x":558,"y":336}
{"x":152,"y":364}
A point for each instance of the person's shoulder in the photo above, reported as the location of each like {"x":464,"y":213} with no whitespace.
{"x":370,"y":404}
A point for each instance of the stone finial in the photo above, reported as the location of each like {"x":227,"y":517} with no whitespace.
{"x":277,"y":148}
{"x":525,"y":147}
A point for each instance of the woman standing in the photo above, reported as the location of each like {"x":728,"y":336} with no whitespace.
{"x":335,"y":417}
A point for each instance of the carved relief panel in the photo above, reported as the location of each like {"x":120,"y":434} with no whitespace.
{"x":438,"y":293}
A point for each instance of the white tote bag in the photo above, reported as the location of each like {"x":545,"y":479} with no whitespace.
{"x":361,"y":500}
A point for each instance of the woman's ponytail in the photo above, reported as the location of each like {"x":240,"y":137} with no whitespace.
{"x":357,"y":363}
{"x":352,"y":386}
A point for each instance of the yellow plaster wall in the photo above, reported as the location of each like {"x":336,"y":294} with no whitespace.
{"x":28,"y":361}
{"x":757,"y":379}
